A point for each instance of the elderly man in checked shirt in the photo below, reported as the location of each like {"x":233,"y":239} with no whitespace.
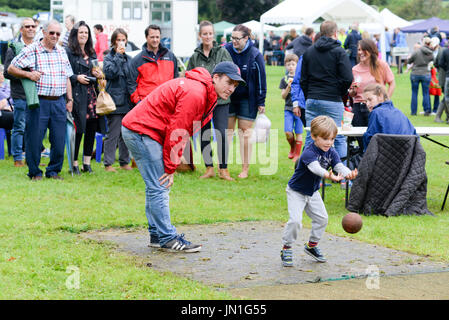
{"x":46,"y":63}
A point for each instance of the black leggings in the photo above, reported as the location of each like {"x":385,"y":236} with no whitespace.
{"x":220,"y":118}
{"x":89,"y":139}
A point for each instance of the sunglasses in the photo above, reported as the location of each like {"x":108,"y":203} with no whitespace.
{"x":52,"y":33}
{"x":30,"y":27}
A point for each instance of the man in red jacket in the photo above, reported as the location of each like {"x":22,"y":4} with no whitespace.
{"x":153,"y":66}
{"x":156,"y":132}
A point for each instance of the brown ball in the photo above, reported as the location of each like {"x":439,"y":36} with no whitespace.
{"x":352,"y":222}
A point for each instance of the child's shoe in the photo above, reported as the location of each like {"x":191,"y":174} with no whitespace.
{"x":287,"y":257}
{"x":315,"y":253}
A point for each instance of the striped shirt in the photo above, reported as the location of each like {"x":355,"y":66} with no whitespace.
{"x":54,"y":67}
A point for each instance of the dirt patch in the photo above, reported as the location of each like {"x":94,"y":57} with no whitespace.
{"x":246,"y":255}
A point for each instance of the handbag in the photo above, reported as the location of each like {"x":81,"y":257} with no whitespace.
{"x":105,"y":103}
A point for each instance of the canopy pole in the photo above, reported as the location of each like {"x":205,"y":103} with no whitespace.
{"x":261,"y":33}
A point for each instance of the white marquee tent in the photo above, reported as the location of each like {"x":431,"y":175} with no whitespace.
{"x":343,"y":12}
{"x":254,"y":25}
{"x":393,"y":21}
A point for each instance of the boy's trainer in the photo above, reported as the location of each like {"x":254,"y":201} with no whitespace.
{"x":314,"y":253}
{"x":287,"y":257}
{"x":179,"y":244}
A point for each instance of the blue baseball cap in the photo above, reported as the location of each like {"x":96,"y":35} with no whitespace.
{"x":230,"y":69}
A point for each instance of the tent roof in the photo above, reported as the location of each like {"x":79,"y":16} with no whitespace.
{"x":220,"y":27}
{"x":254,"y":26}
{"x":428,"y":24}
{"x":393,"y":21}
{"x":306,"y":12}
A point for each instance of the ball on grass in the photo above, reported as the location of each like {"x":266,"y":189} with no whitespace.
{"x":352,"y":222}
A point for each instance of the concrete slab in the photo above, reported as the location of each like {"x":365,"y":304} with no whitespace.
{"x":247,"y":254}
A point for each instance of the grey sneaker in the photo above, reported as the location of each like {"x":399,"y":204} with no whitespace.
{"x":287,"y":257}
{"x":179,"y":244}
{"x":314,"y":253}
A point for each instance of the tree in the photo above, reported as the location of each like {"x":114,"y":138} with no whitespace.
{"x":420,"y":9}
{"x":238,"y":11}
{"x":207,"y":10}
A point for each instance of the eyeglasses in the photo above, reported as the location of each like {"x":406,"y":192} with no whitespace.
{"x":236,"y":39}
{"x":52,"y":33}
{"x":30,"y":27}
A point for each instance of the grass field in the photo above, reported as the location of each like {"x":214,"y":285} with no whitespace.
{"x":40,"y":222}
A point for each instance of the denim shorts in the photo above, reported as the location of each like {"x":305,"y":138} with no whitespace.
{"x":292,"y":122}
{"x":242,"y":110}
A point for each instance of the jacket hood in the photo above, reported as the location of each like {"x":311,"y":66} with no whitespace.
{"x":426,"y":50}
{"x":248,"y":46}
{"x":305,"y":40}
{"x":203,"y":76}
{"x":387,"y":104}
{"x":326,"y":44}
{"x":215,"y":47}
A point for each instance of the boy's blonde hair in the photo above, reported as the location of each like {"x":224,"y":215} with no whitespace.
{"x":324,"y":127}
{"x":291,"y":57}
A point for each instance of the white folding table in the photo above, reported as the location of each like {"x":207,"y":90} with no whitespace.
{"x":424,"y":132}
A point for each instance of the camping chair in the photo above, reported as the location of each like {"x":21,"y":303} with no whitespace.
{"x":447,"y":191}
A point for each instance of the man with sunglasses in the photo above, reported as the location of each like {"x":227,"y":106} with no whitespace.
{"x":46,"y":63}
{"x":26,"y":36}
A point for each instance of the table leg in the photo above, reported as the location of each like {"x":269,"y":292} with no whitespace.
{"x":347,"y":164}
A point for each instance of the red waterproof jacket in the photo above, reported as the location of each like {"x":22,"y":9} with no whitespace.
{"x":149,"y":71}
{"x":173,"y":112}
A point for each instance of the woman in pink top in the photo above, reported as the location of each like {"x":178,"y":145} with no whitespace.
{"x":370,"y":69}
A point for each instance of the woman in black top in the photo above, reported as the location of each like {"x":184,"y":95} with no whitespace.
{"x":81,"y":53}
{"x":115,"y":68}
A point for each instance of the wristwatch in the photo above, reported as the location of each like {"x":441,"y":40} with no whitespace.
{"x":68,"y":100}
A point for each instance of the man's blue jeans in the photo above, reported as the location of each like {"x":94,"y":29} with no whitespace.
{"x":51,"y":114}
{"x":148,"y":156}
{"x":334,"y":110}
{"x":425,"y":84}
{"x":18,"y":129}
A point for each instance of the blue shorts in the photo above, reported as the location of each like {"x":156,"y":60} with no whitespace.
{"x":242,"y":110}
{"x":291,"y":121}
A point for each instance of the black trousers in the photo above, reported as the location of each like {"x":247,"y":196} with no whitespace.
{"x":220,"y":118}
{"x":89,"y":139}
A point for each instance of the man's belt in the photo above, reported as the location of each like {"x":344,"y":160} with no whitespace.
{"x":49,"y":97}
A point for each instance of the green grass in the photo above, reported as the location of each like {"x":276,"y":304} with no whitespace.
{"x":40,"y":222}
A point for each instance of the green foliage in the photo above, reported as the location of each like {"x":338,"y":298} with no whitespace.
{"x":43,"y":5}
{"x":238,"y":11}
{"x":413,"y":9}
{"x":207,"y":10}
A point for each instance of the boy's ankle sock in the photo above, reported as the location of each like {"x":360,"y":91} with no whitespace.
{"x":311,"y":244}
